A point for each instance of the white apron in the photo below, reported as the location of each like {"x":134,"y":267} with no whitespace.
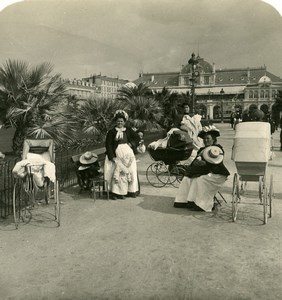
{"x":200,"y":190}
{"x":122,"y":179}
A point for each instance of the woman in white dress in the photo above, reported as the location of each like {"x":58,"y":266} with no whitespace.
{"x":205,"y":176}
{"x":120,"y":168}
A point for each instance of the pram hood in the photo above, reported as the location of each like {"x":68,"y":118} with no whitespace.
{"x":252,"y":142}
{"x":42,"y":146}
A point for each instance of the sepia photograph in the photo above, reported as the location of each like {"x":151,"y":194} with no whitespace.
{"x":140,"y":149}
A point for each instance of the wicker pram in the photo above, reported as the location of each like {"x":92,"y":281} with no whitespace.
{"x":170,"y":155}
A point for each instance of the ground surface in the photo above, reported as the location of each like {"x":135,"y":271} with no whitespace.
{"x":144,"y":248}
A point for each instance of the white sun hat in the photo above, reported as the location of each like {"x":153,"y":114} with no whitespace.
{"x":213,"y":155}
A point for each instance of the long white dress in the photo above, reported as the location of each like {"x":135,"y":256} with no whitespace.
{"x":192,"y":125}
{"x":200,"y":190}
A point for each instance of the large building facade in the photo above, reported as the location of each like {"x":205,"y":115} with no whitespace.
{"x":219,"y":92}
{"x":95,"y":86}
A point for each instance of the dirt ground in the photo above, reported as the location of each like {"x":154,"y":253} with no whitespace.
{"x":144,"y":248}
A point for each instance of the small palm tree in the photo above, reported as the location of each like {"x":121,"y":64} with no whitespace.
{"x":169,"y":101}
{"x":31,"y":97}
{"x":144,"y":112}
{"x":128,"y":92}
{"x":95,"y":117}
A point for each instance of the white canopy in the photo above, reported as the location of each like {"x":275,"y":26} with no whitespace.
{"x":252,"y":142}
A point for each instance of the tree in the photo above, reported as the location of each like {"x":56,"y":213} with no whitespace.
{"x":127,"y":92}
{"x":95,"y":117}
{"x":30,"y":97}
{"x":169,"y":101}
{"x":144,"y":112}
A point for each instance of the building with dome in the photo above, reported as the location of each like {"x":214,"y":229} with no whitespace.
{"x":219,"y":91}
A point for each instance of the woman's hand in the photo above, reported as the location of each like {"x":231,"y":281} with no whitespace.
{"x":199,"y":162}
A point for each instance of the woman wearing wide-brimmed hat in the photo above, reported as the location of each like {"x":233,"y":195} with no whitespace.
{"x":205,"y":176}
{"x":120,"y":169}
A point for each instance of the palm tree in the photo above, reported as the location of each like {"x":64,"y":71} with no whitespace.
{"x":95,"y":117}
{"x":144,"y":112}
{"x":130,"y":91}
{"x":31,"y":98}
{"x":169,"y":101}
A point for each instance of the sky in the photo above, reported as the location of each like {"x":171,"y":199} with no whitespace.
{"x":125,"y":37}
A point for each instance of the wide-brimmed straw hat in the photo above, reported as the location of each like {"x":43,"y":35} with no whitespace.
{"x":212,"y":130}
{"x":88,"y":158}
{"x":213,"y":155}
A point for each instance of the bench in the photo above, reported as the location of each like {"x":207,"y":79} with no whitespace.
{"x":98,"y":185}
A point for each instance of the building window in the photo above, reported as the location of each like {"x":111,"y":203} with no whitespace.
{"x":256,"y":94}
{"x":206,"y":80}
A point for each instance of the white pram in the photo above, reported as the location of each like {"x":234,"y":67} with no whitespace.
{"x":251,"y":153}
{"x":35,"y":173}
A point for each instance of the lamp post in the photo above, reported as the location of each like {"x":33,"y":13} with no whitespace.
{"x":193,"y":62}
{"x":221,"y":104}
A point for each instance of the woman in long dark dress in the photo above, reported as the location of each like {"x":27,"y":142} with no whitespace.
{"x":120,"y":169}
{"x":205,"y":176}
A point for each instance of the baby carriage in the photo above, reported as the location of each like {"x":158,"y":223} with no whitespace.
{"x":251,"y":153}
{"x":35,"y":176}
{"x":167,"y":168}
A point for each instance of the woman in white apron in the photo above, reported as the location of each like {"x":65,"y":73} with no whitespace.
{"x":120,"y":168}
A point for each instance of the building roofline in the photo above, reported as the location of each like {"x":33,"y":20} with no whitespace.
{"x":240,"y":69}
{"x":161,"y":73}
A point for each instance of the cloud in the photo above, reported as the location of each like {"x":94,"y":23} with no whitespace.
{"x":124,"y":37}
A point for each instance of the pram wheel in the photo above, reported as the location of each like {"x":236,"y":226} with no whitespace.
{"x":57,"y":202}
{"x":21,"y":204}
{"x":176,"y":174}
{"x":264,"y":200}
{"x":235,"y":197}
{"x":157,"y":174}
{"x":270,"y":195}
{"x":261,"y":188}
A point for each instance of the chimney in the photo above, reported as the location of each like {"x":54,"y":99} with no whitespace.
{"x":152,"y":78}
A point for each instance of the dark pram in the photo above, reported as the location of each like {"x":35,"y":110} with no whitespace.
{"x":167,"y":168}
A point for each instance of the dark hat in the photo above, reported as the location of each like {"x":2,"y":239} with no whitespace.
{"x":212,"y":130}
{"x":88,"y":158}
